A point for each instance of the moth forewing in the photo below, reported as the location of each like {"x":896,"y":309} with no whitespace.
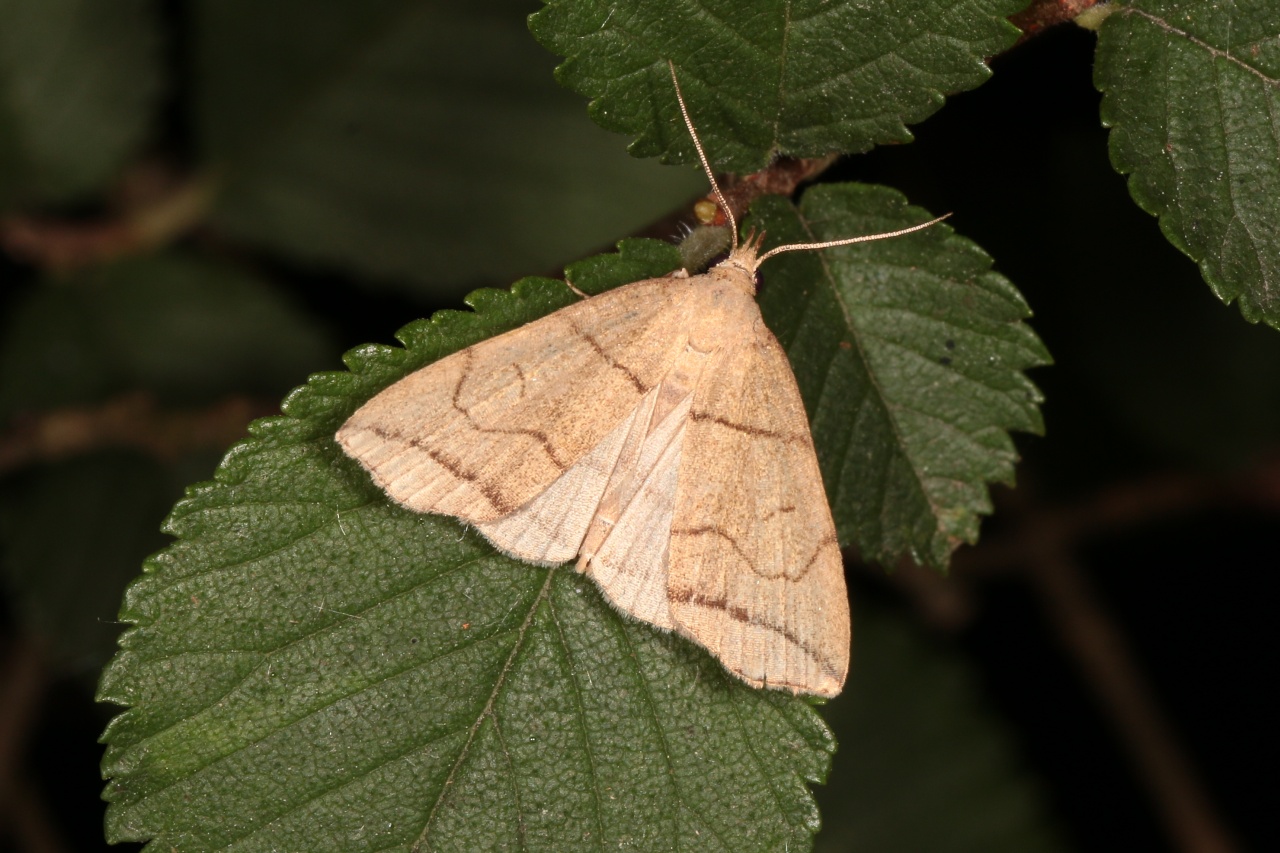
{"x":756,"y":573}
{"x":483,"y":431}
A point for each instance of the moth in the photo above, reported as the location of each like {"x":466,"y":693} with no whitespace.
{"x":656,"y":433}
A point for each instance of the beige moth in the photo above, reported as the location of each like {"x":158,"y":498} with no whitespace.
{"x":656,"y":433}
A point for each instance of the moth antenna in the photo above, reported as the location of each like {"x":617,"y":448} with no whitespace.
{"x":702,"y":156}
{"x":866,"y":238}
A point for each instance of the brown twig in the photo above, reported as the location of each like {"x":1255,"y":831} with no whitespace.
{"x":22,"y":814}
{"x":34,"y":829}
{"x":1100,"y":650}
{"x":154,"y":209}
{"x":1045,"y":14}
{"x":780,"y":178}
{"x":945,"y":602}
{"x":1151,"y":499}
{"x":130,"y":421}
{"x":1040,"y":547}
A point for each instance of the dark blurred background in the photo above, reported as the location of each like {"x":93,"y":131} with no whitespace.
{"x":226,"y":219}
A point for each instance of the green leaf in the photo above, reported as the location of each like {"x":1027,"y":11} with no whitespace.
{"x":183,"y":328}
{"x":316,"y":668}
{"x":66,"y":585}
{"x":916,"y":738}
{"x":772,"y":76}
{"x":909,"y":353}
{"x":423,"y":144}
{"x":79,"y":83}
{"x":1191,"y":94}
{"x":313,"y":668}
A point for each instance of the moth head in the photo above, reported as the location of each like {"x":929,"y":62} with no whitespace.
{"x":746,"y":256}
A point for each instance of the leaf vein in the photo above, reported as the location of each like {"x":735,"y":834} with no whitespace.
{"x":488,"y":708}
{"x":582,"y":722}
{"x":650,"y":706}
{"x":310,"y":713}
{"x":1202,"y":44}
{"x":522,"y":833}
{"x":759,"y":762}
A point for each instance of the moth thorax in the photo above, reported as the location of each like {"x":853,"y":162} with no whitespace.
{"x":739,"y":269}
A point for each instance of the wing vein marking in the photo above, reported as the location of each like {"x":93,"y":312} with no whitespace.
{"x":711,"y":529}
{"x":742,"y":615}
{"x":536,"y":434}
{"x":822,"y":545}
{"x":782,"y":510}
{"x":608,"y":359}
{"x":747,"y":429}
{"x":490,"y":493}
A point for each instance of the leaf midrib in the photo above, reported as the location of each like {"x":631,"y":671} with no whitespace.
{"x":1216,"y":52}
{"x":487,"y":711}
{"x":856,"y":336}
